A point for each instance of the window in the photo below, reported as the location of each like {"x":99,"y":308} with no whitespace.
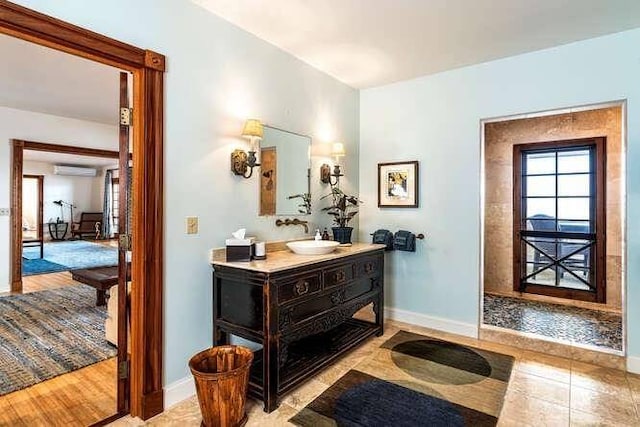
{"x":115,"y":204}
{"x":559,"y":219}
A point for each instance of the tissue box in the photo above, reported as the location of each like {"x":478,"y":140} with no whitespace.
{"x":241,"y":250}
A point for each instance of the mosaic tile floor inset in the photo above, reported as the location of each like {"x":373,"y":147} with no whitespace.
{"x":577,"y":325}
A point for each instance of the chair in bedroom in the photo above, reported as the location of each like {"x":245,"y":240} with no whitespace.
{"x":89,"y":224}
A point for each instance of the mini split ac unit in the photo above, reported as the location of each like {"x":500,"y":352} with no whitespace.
{"x":74,"y":170}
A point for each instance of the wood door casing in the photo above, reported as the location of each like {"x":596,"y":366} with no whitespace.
{"x":123,"y":267}
{"x":18,"y":148}
{"x":148,"y":177}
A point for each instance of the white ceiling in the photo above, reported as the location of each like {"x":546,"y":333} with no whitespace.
{"x":44,"y":80}
{"x":368,"y":43}
{"x":67,"y":159}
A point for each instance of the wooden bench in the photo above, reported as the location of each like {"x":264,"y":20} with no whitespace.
{"x":101,"y":278}
{"x":87,"y":225}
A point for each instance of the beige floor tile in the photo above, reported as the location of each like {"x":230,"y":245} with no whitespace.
{"x":584,"y":419}
{"x":522,"y":410}
{"x":358,"y":355}
{"x":279,"y":417}
{"x":551,"y":367}
{"x":603,"y":380}
{"x":605,"y":405}
{"x":303,"y":395}
{"x":127,"y":421}
{"x":333,"y":374}
{"x":500,"y":348}
{"x":634,"y":383}
{"x":186,"y":413}
{"x":540,"y":388}
{"x":526,"y":342}
{"x":598,"y":358}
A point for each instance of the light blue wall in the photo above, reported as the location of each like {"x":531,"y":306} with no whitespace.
{"x":436,"y":120}
{"x":217,"y":76}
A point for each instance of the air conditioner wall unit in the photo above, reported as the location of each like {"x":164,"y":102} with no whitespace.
{"x":74,"y":170}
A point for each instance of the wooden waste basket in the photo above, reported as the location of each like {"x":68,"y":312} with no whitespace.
{"x":221,"y":375}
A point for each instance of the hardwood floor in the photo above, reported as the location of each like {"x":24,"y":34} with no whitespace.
{"x":43,"y":282}
{"x":79,"y":398}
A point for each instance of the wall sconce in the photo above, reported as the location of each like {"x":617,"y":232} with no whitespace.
{"x":242,"y":161}
{"x":337,"y":151}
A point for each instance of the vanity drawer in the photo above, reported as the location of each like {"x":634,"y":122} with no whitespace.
{"x":358,"y":288}
{"x":339,"y":275}
{"x":297,"y":287}
{"x":369,"y":267}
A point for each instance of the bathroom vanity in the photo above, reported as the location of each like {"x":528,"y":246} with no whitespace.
{"x":300,"y":309}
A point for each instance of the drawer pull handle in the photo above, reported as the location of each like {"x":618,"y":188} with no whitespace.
{"x":302,"y":287}
{"x":368,"y":267}
{"x":340,"y":276}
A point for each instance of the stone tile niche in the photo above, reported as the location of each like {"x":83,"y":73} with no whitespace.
{"x":499,"y":140}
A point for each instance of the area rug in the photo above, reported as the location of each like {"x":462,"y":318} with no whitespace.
{"x":32,"y":267}
{"x":75,"y":254}
{"x":49,"y":333}
{"x":414,"y":380}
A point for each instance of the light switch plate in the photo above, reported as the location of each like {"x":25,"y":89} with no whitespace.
{"x":192,"y":225}
{"x":4,"y":211}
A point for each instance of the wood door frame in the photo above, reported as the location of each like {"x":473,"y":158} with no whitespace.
{"x":147,"y":67}
{"x":17,"y":167}
{"x":600,"y":181}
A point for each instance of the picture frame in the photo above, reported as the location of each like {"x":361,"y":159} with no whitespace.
{"x":398,"y":184}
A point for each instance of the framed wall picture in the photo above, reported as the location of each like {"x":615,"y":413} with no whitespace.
{"x":398,"y":185}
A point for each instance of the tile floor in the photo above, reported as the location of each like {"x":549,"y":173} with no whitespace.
{"x":572,"y":324}
{"x":543,"y":391}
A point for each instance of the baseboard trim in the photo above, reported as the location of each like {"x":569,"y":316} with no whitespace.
{"x":433,"y":322}
{"x":178,"y":391}
{"x":633,"y":364}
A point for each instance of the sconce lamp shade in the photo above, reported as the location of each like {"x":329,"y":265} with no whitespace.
{"x":252,"y":128}
{"x":338,"y":149}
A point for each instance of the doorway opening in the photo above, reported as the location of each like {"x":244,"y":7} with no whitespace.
{"x":553,"y":242}
{"x":139,"y":378}
{"x":33,"y":212}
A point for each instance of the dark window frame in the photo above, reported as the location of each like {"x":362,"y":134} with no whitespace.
{"x":597,"y":220}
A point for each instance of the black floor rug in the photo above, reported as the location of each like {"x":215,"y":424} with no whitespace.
{"x":414,"y":380}
{"x":49,"y":333}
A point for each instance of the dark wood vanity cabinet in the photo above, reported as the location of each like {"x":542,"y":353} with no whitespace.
{"x":302,"y":316}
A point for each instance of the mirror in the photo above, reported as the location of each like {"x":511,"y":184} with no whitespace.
{"x":284,"y":173}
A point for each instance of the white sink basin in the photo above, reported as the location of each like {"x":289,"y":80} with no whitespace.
{"x":313,"y":247}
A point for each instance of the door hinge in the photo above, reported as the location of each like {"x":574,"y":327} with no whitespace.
{"x":123,"y":369}
{"x":126,"y":115}
{"x":125,"y":241}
